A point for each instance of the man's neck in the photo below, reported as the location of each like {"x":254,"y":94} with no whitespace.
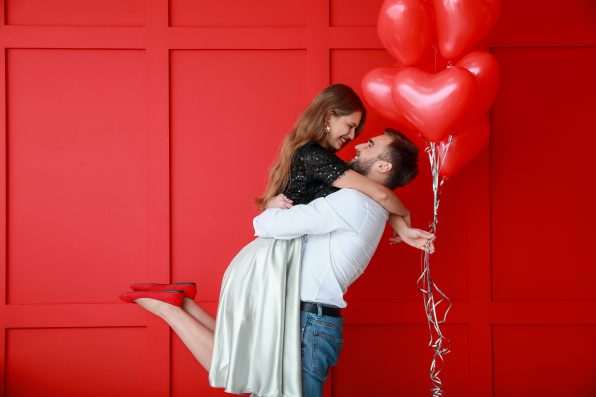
{"x":379,"y":178}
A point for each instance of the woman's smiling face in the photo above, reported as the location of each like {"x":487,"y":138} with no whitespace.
{"x":342,"y":129}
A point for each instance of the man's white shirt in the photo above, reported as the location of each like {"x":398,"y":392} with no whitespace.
{"x":343,"y":230}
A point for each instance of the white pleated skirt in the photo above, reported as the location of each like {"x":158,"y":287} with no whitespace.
{"x":257,"y":332}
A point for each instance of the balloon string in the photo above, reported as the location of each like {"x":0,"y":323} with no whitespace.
{"x":445,"y":152}
{"x":433,"y":297}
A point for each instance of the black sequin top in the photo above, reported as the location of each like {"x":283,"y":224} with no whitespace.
{"x":312,"y":173}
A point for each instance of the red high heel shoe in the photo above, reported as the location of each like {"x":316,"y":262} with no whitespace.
{"x":173,"y":297}
{"x":189,"y":288}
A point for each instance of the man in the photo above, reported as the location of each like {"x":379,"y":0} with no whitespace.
{"x":343,"y":230}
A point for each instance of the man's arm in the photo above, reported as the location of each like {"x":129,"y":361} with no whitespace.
{"x":318,"y":217}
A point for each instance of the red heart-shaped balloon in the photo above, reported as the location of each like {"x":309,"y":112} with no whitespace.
{"x":463,"y":147}
{"x":376,"y":89}
{"x":406,"y":29}
{"x":461,"y":24}
{"x":483,"y":65}
{"x":433,"y":103}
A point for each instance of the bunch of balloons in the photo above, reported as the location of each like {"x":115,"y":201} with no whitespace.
{"x":423,"y":35}
{"x":447,"y":108}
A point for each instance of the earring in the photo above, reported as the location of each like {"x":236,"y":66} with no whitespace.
{"x":328,"y":129}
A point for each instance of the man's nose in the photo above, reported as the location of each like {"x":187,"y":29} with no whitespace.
{"x":358,"y":146}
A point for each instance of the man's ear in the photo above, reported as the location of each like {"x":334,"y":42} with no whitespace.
{"x":384,"y":167}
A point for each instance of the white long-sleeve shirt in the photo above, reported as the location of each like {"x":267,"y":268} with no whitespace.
{"x":343,"y":231}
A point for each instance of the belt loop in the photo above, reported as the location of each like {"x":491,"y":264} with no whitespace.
{"x":319,"y":310}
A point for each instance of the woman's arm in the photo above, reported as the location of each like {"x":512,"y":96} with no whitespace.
{"x":413,"y":237}
{"x":381,"y":194}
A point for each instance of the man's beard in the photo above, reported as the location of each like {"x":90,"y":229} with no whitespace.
{"x":362,"y":167}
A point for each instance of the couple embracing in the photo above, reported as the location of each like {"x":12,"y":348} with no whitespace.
{"x":279,"y":321}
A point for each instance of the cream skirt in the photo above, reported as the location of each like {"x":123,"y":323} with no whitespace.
{"x":257,"y":331}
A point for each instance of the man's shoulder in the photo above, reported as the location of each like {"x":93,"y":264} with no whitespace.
{"x":349,"y":194}
{"x":353,"y":194}
{"x":357,"y":210}
{"x":355,"y":197}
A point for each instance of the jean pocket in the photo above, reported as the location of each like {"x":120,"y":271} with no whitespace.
{"x":326,"y":349}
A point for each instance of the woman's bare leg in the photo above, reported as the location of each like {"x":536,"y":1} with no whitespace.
{"x":197,"y":337}
{"x":198,"y":313}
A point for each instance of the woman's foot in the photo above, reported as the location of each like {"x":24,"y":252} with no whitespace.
{"x":171,"y":297}
{"x":189,"y":288}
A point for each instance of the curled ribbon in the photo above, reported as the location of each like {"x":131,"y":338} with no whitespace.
{"x":432,"y":295}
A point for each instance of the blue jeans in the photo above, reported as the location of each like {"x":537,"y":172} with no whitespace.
{"x":321,"y":344}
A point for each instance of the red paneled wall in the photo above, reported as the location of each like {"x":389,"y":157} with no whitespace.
{"x":138,"y":132}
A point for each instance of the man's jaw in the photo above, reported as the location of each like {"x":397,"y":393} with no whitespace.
{"x":361,"y":167}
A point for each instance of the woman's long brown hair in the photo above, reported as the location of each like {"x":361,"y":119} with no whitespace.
{"x":337,"y":100}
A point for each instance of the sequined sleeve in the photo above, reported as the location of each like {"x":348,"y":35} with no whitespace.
{"x":322,"y":165}
{"x":313,"y":172}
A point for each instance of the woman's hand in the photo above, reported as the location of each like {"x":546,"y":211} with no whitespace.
{"x":408,"y":220}
{"x":415,"y":238}
{"x":394,"y":239}
{"x":279,"y":201}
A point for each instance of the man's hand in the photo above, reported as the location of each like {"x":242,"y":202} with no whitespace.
{"x":415,"y":238}
{"x":279,"y":201}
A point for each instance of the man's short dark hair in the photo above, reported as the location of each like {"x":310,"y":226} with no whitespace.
{"x":402,"y":153}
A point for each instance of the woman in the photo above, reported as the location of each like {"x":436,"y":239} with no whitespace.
{"x":307,"y":168}
{"x":255,"y":345}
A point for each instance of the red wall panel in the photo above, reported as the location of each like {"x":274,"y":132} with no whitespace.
{"x":77,"y":174}
{"x":75,"y":12}
{"x":392,"y":360}
{"x":74,"y":362}
{"x":540,"y":171}
{"x":544,"y":360}
{"x":237,"y":13}
{"x":531,"y":12}
{"x":354,"y":12}
{"x":138,"y":132}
